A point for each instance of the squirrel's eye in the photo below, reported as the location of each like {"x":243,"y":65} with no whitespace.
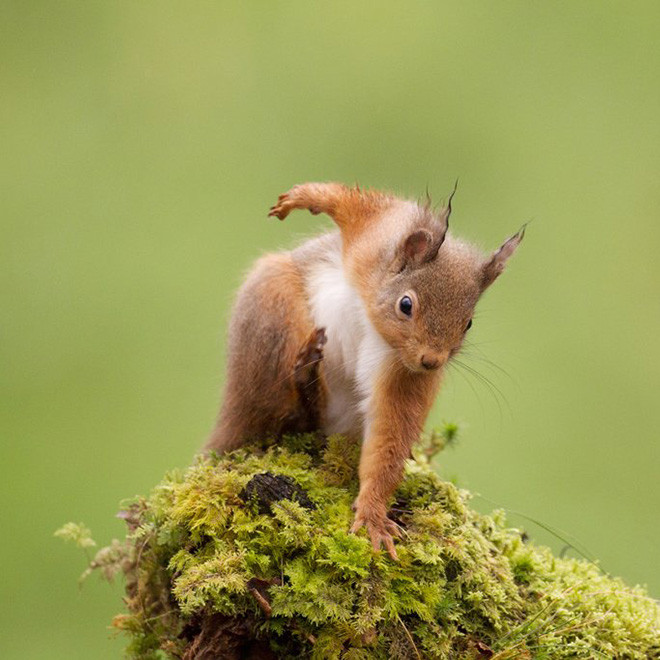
{"x":406,"y":305}
{"x":468,"y":326}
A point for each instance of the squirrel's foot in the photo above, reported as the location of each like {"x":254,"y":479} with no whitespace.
{"x":308,"y":383}
{"x":381,"y":531}
{"x":309,"y":358}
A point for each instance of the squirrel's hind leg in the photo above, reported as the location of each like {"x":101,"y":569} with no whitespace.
{"x":274,"y":383}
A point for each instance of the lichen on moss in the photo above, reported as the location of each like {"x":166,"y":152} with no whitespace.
{"x":207,"y":566}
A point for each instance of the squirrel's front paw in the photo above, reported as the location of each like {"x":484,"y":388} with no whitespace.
{"x":282,"y":207}
{"x":381,"y":530}
{"x":296,"y":198}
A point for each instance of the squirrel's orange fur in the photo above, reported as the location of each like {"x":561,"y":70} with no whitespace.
{"x":392,"y":294}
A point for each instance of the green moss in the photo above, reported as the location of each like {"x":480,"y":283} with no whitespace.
{"x":465,"y":586}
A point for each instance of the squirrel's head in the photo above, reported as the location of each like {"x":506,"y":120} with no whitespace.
{"x":419,"y":285}
{"x":423,"y":296}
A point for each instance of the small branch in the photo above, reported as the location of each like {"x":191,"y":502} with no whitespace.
{"x":261,"y":601}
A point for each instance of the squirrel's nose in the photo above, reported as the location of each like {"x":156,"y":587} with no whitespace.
{"x":430,"y":362}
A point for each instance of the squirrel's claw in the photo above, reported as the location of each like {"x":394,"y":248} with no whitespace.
{"x":296,"y":198}
{"x":393,"y":528}
{"x":282,"y":207}
{"x":380,"y":532}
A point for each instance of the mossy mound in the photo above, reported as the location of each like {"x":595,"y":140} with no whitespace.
{"x":230,"y":560}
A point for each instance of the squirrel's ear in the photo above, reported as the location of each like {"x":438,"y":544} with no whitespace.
{"x":495,"y":265}
{"x":421,"y":247}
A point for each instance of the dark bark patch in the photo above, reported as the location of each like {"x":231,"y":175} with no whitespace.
{"x":266,"y":488}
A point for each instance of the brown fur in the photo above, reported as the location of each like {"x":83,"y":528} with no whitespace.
{"x":269,"y":329}
{"x":390,"y":248}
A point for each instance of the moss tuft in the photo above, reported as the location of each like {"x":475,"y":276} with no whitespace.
{"x":209,"y":571}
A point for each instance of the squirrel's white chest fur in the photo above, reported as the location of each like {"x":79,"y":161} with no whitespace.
{"x":355,"y":352}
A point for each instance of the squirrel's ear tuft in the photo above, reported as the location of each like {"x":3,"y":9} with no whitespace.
{"x":495,"y":265}
{"x":446,"y":211}
{"x":421,"y":247}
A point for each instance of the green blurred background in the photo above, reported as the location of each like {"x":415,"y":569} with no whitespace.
{"x":142,"y":144}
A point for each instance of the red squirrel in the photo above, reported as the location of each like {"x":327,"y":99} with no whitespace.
{"x":349,"y":333}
